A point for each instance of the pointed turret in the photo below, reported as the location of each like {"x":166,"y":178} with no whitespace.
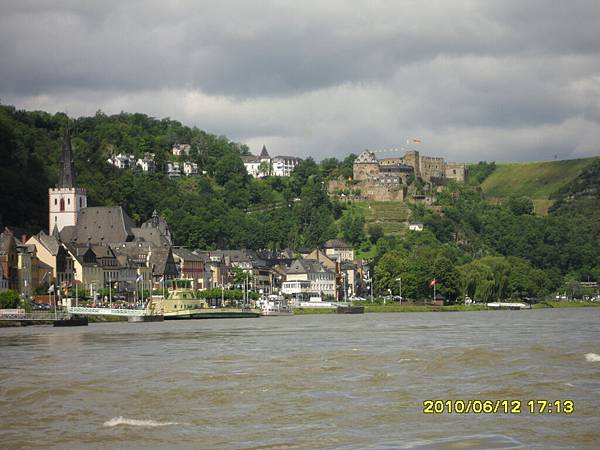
{"x":56,"y":233}
{"x":264,"y":154}
{"x":67,"y":176}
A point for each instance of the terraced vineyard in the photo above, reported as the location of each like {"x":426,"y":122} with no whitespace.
{"x":392,"y":216}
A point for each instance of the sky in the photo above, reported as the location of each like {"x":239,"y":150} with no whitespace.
{"x":506,"y":80}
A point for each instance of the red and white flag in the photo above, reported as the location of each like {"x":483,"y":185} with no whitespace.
{"x":433,"y":283}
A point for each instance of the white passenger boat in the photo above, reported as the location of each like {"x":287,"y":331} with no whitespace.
{"x":274,"y":305}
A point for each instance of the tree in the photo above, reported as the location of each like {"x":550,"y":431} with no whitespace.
{"x":375,"y":232}
{"x":520,"y":205}
{"x":352,"y":225}
{"x":9,"y":299}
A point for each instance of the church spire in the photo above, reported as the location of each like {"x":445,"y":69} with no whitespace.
{"x":67,"y":176}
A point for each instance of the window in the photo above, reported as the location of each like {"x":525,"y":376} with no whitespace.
{"x":55,"y":201}
{"x":80,"y":202}
{"x":62,"y":204}
{"x":68,"y":201}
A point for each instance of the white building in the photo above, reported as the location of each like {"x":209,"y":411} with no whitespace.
{"x":263,"y":165}
{"x":252,"y":165}
{"x":190,"y":168}
{"x":309,"y":277}
{"x":415,"y":226}
{"x":122,"y":161}
{"x":172,"y":169}
{"x":283,"y":166}
{"x":147,"y":163}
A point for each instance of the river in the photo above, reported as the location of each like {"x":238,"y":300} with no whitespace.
{"x":322,"y":381}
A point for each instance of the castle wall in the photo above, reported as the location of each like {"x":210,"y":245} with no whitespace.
{"x":456,"y":171}
{"x":391,"y":161}
{"x":371,"y":190}
{"x":432,"y":167}
{"x":362,"y":171}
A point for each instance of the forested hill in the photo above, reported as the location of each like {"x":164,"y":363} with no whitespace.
{"x":224,"y":208}
{"x":472,"y":243}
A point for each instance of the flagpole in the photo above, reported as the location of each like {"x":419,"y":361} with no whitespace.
{"x":110,"y":288}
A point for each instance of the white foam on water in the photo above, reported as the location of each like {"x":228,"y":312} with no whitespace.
{"x":592,"y":357}
{"x":136,"y":422}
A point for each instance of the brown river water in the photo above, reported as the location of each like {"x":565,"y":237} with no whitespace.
{"x":323,"y":381}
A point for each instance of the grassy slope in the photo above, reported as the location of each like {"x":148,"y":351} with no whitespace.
{"x":537,"y":180}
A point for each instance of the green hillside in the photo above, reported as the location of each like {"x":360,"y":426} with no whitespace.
{"x":537,"y":180}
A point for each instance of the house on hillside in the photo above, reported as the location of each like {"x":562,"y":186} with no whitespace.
{"x":146,"y":164}
{"x":181,"y":149}
{"x":173,"y":169}
{"x":283,"y":166}
{"x":190,"y":168}
{"x":122,"y":161}
{"x":415,"y":226}
{"x":338,"y":249}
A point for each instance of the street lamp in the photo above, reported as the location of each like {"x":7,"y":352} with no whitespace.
{"x":399,"y":279}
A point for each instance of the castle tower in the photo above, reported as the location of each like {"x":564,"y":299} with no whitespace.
{"x":65,"y":200}
{"x":365,"y":165}
{"x":412,"y":158}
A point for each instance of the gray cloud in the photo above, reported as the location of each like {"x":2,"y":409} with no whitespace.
{"x":502,"y":80}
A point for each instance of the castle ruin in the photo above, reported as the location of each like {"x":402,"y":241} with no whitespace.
{"x":388,"y":179}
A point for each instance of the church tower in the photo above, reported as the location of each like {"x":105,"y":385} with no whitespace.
{"x":65,"y":200}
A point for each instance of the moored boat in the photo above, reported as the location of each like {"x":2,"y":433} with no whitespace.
{"x":73,"y":321}
{"x":275,"y":305}
{"x":181,"y":303}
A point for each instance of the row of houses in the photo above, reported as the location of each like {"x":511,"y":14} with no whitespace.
{"x":128,"y":267}
{"x":148,"y":165}
{"x":257,"y":166}
{"x":101,"y":247}
{"x":125,"y":161}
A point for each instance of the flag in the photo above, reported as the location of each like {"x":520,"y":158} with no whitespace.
{"x":51,"y":289}
{"x":139,"y":278}
{"x":433,"y":283}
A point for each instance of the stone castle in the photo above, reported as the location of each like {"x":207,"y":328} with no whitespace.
{"x":411,"y":176}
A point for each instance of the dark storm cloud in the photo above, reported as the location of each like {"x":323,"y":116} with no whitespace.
{"x":329,"y":77}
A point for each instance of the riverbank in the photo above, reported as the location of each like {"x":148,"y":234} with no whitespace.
{"x":568,"y":304}
{"x":405,"y":308}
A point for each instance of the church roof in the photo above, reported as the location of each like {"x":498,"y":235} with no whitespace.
{"x":100,"y":224}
